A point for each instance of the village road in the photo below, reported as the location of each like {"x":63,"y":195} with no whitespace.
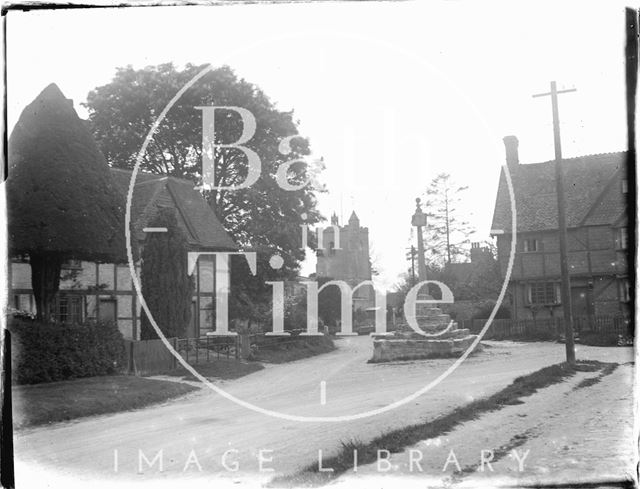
{"x":107,"y":449}
{"x":578,"y":432}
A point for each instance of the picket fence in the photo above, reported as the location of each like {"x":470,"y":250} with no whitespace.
{"x":549,"y":328}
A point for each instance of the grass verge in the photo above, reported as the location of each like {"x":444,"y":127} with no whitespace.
{"x":288,"y":351}
{"x":41,"y":404}
{"x":395,"y":441}
{"x":608,"y":369}
{"x":219,"y":370}
{"x":498,"y":454}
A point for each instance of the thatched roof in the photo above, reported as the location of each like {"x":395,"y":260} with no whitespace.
{"x":61,"y":195}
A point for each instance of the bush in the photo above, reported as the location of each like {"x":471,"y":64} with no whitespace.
{"x":49,"y":352}
{"x":483,"y":311}
{"x":599,"y":339}
{"x":287,"y":349}
{"x":166,"y":284}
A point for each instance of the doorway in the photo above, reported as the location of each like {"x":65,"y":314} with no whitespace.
{"x":108,"y":310}
{"x":582,"y":305}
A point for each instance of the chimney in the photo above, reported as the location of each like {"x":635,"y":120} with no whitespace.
{"x":511,"y":150}
{"x":478,"y":252}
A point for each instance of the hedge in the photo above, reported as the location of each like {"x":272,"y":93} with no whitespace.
{"x":49,"y":352}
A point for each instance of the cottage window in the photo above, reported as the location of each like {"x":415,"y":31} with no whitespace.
{"x":69,"y":309}
{"x":543,"y":293}
{"x":623,"y":238}
{"x":623,"y":290}
{"x":530,"y":245}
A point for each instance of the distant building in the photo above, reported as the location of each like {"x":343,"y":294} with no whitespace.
{"x":345,"y":256}
{"x":481,"y":260}
{"x":598,"y":243}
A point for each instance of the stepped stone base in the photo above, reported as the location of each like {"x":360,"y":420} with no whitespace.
{"x":410,"y":349}
{"x":406,"y":344}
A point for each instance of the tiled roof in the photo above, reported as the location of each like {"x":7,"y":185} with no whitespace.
{"x":197,"y":220}
{"x":592,"y":190}
{"x":610,"y":207}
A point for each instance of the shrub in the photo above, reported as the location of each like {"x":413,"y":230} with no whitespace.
{"x":49,"y":352}
{"x":166,"y":284}
{"x":599,"y":339}
{"x":483,"y":311}
{"x":287,"y":349}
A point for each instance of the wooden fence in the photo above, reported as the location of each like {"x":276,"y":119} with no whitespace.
{"x":148,"y":357}
{"x":550,"y":328}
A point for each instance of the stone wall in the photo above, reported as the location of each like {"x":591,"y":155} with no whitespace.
{"x":387,"y":350}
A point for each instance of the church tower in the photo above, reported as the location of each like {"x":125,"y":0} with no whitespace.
{"x":347,"y":258}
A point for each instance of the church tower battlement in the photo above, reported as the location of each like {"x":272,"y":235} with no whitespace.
{"x":347,"y":258}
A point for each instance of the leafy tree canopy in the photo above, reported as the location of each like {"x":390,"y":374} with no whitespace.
{"x":263,"y":215}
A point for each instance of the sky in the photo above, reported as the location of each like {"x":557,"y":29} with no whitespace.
{"x":390,"y":94}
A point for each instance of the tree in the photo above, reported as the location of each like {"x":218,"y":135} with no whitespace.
{"x":166,"y":284}
{"x":262,"y":216}
{"x":249,"y":298}
{"x":408,"y":281}
{"x":485,"y":280}
{"x":329,"y":302}
{"x":329,"y":307}
{"x":483,"y":310}
{"x":61,"y":198}
{"x":447,"y":233}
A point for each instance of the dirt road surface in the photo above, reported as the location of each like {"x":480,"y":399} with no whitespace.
{"x":191,"y":435}
{"x":567,"y":433}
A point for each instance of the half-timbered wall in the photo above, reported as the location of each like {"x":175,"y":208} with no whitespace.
{"x":597,"y":263}
{"x":106,"y":291}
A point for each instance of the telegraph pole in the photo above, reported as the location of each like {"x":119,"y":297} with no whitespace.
{"x":562,"y":224}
